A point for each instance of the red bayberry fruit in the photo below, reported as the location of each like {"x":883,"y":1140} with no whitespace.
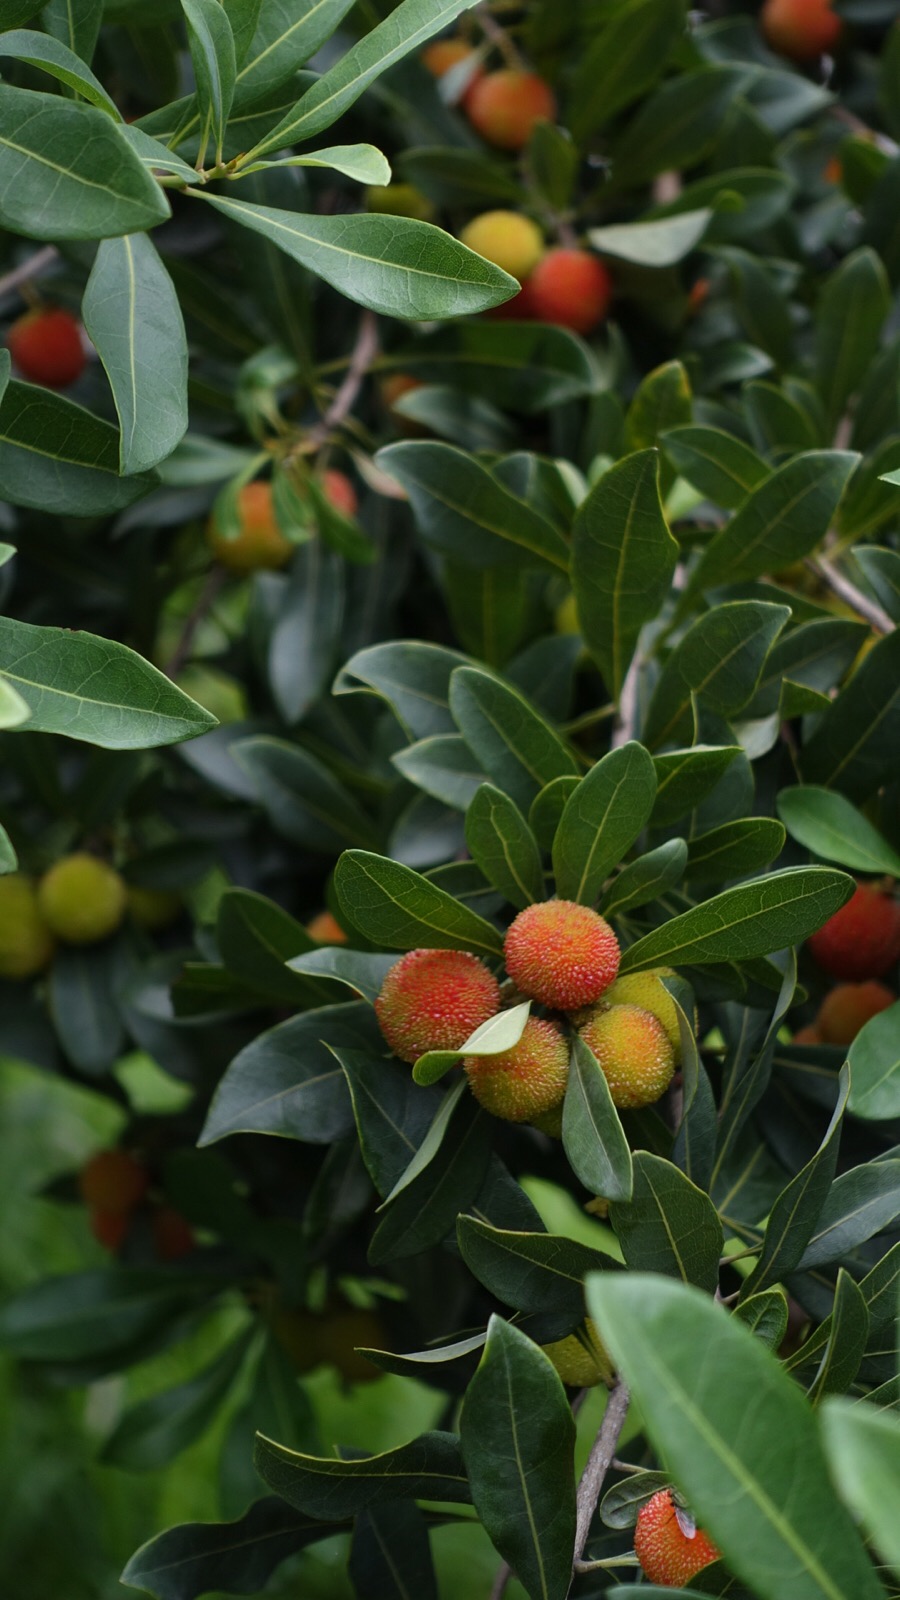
{"x":848,"y":1008}
{"x":862,"y":940}
{"x":562,"y":954}
{"x":504,"y":106}
{"x":800,"y":29}
{"x":526,"y":1081}
{"x":571,"y":288}
{"x":173,"y":1235}
{"x":113,"y":1181}
{"x":669,"y":1547}
{"x":110,"y":1227}
{"x":46,"y":347}
{"x":433,"y":1000}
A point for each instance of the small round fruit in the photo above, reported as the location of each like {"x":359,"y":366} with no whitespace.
{"x":82,"y":899}
{"x":152,"y":909}
{"x":526,"y":1081}
{"x":581,"y":1359}
{"x":173,"y":1236}
{"x":110,"y":1228}
{"x":670,"y":1548}
{"x":847,"y":1009}
{"x":444,"y":54}
{"x":113,"y":1181}
{"x":342,"y":1333}
{"x":26,"y":942}
{"x":634,"y":1053}
{"x":506,"y":238}
{"x":46,"y":347}
{"x":400,"y":200}
{"x":504,"y":106}
{"x":340,"y":491}
{"x":571,"y":288}
{"x":808,"y":1035}
{"x":433,"y":1000}
{"x":800,"y":29}
{"x":862,"y":940}
{"x":326,"y":929}
{"x":260,"y":545}
{"x":561,"y":953}
{"x":646,"y":989}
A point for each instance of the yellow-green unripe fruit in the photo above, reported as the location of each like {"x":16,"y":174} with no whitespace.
{"x":26,"y":943}
{"x":634,"y":1053}
{"x":525,"y":1081}
{"x":82,"y":899}
{"x":511,"y":241}
{"x":646,"y":989}
{"x":580,"y":1360}
{"x":152,"y":909}
{"x":400,"y":200}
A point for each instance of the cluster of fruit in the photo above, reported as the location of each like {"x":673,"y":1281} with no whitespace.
{"x":858,"y":945}
{"x":116,"y":1188}
{"x":81,"y":900}
{"x":565,"y":957}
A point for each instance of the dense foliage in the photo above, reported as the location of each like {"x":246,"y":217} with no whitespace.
{"x":355,"y":601}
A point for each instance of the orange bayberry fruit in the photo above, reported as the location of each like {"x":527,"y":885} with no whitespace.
{"x":561,"y":953}
{"x":113,"y":1181}
{"x":444,"y":54}
{"x":526,"y":1081}
{"x":571,"y":288}
{"x":260,"y":544}
{"x":511,"y":241}
{"x":669,"y":1547}
{"x":808,"y":1035}
{"x":634,"y":1053}
{"x":862,"y":940}
{"x":46,"y":347}
{"x":504,"y":106}
{"x":800,"y":29}
{"x":848,"y":1008}
{"x":173,"y":1235}
{"x":110,"y":1227}
{"x":433,"y":1000}
{"x":326,"y":929}
{"x":337,"y":488}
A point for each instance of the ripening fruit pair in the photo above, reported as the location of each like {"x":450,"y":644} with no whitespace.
{"x":260,"y":544}
{"x":862,"y":940}
{"x":568,"y":287}
{"x":112,"y":1185}
{"x":669,"y":1546}
{"x":47,"y":348}
{"x":800,"y":29}
{"x":332,"y":1337}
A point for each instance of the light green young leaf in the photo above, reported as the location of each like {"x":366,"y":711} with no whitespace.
{"x":831,"y":827}
{"x":652,"y":244}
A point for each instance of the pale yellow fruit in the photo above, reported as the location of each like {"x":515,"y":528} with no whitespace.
{"x":26,"y":943}
{"x":646,"y":989}
{"x":513,"y":242}
{"x":580,"y":1360}
{"x":82,"y":899}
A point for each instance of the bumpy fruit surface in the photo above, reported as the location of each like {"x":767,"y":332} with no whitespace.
{"x":571,"y":288}
{"x":562,"y":954}
{"x":634,"y":1053}
{"x":504,"y":106}
{"x":511,"y":241}
{"x":113,"y":1181}
{"x":862,"y":940}
{"x":173,"y":1236}
{"x":646,"y":989}
{"x":526,"y":1081}
{"x":26,"y":942}
{"x":848,"y":1008}
{"x":326,"y":929}
{"x":82,"y":899}
{"x":669,"y":1548}
{"x":433,"y":1000}
{"x":46,"y":347}
{"x":260,"y":545}
{"x":153,"y":909}
{"x":800,"y":29}
{"x":581,"y":1359}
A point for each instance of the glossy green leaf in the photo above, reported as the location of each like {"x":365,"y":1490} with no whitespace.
{"x":833,"y":829}
{"x":244,"y":17}
{"x":57,"y":457}
{"x":150,"y":1433}
{"x":697,"y":1376}
{"x":645,"y":879}
{"x":863,"y":1450}
{"x":56,"y":58}
{"x":358,"y":969}
{"x":620,"y":1505}
{"x":397,"y":907}
{"x":390,"y":1557}
{"x":392,"y":265}
{"x":284,"y":38}
{"x":303,"y":800}
{"x":211,"y":43}
{"x":515,"y":745}
{"x":856,"y":746}
{"x":623,"y":557}
{"x":428,"y":1468}
{"x":237,"y":1557}
{"x":414,"y":679}
{"x":685,"y":777}
{"x":500,"y":841}
{"x":722,"y":467}
{"x":393,"y":1114}
{"x":66,"y":172}
{"x":536,"y":1272}
{"x":443,"y":767}
{"x":132,"y":314}
{"x":875,"y":1068}
{"x":719,"y":660}
{"x":881,"y":570}
{"x":256,"y":938}
{"x":668,"y":1225}
{"x":601,"y":821}
{"x":744,"y":922}
{"x":95,"y":689}
{"x":766,"y":1315}
{"x":592,"y":1133}
{"x":524,"y":367}
{"x":518,"y":1439}
{"x":443,"y":1178}
{"x":847,"y":1336}
{"x":854,"y":303}
{"x":734,"y":850}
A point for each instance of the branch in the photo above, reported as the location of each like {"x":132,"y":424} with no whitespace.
{"x":505,"y":46}
{"x":32,"y":268}
{"x":206,"y":599}
{"x":870,"y":609}
{"x":500,"y":1582}
{"x":363,"y":354}
{"x":599,"y":1462}
{"x":628,"y":704}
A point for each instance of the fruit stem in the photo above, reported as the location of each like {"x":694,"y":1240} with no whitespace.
{"x":848,"y":591}
{"x":28,"y":270}
{"x":499,"y":37}
{"x":599,"y":1462}
{"x":364,"y":352}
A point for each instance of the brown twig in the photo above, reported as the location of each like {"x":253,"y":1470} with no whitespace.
{"x":506,"y":46}
{"x":206,"y":599}
{"x":362,"y":356}
{"x":501,"y":1582}
{"x":30,"y":269}
{"x":870,"y":609}
{"x":628,"y":704}
{"x":599,"y":1462}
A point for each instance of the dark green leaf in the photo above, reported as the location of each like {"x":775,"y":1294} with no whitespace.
{"x":766,"y":1315}
{"x":57,"y":457}
{"x":360,"y":971}
{"x":390,"y":1557}
{"x":428,"y":1468}
{"x":860,"y":1204}
{"x":152,"y":1432}
{"x":443,"y":767}
{"x":519,"y":366}
{"x":722,"y":467}
{"x":685,"y":778}
{"x":674,"y":127}
{"x":85,"y":1315}
{"x":719,"y":660}
{"x":211,"y":43}
{"x":449,"y":1168}
{"x":413,"y":678}
{"x":833,"y":829}
{"x":56,"y":58}
{"x":82,"y":1000}
{"x":848,"y":1332}
{"x":668,"y":1225}
{"x":851,"y":310}
{"x":734,"y":850}
{"x":502,"y":844}
{"x":536,"y":1272}
{"x":393,"y":1114}
{"x":234,"y":1557}
{"x":516,"y":745}
{"x":394,"y":906}
{"x":856,"y":746}
{"x":303,"y":801}
{"x":256,"y":939}
{"x":645,"y":879}
{"x":627,"y":55}
{"x":593,"y":1137}
{"x":603,"y":816}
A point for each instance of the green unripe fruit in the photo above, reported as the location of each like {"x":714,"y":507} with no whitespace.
{"x":525,"y":1081}
{"x":400,"y":200}
{"x":580,"y":1360}
{"x":152,"y":909}
{"x":646,"y":989}
{"x":82,"y":899}
{"x":26,"y":942}
{"x":634,"y":1053}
